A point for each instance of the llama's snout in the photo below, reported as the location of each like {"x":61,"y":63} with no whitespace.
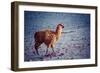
{"x":62,"y":26}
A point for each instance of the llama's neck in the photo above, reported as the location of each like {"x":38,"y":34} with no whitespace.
{"x":58,"y":32}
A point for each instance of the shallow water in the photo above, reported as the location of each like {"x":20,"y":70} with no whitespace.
{"x":73,"y":44}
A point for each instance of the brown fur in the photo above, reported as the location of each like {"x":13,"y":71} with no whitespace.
{"x":47,"y":37}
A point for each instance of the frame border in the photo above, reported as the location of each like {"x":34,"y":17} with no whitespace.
{"x":15,"y":34}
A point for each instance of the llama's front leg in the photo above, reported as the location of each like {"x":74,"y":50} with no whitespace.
{"x":53,"y":51}
{"x":52,"y":46}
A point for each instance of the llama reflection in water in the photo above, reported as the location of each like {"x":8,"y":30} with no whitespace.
{"x":48,"y":37}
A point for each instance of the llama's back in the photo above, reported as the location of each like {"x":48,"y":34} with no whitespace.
{"x":39,"y":36}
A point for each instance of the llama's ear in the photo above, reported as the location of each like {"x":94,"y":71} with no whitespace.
{"x":62,"y":26}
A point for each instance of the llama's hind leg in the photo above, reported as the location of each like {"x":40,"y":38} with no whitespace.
{"x":37,"y":47}
{"x":46,"y":51}
{"x":48,"y":46}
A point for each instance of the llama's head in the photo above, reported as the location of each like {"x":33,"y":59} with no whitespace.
{"x":60,"y":25}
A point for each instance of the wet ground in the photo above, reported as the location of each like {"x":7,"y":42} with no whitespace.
{"x":73,"y":44}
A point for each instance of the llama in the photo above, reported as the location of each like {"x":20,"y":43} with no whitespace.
{"x":48,"y":37}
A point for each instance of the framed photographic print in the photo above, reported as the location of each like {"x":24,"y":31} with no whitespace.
{"x":52,"y":36}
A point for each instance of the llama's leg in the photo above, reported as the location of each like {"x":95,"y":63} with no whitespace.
{"x":53,"y":42}
{"x":52,"y":46}
{"x":48,"y":46}
{"x":46,"y":51}
{"x":37,"y":47}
